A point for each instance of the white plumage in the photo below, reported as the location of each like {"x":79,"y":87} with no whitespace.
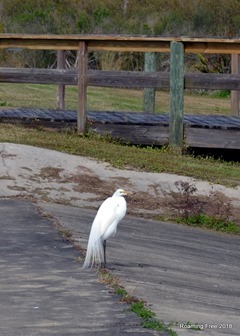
{"x":110,"y":213}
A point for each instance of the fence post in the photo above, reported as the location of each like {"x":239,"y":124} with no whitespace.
{"x":149,"y":93}
{"x":61,"y":88}
{"x":82,"y":86}
{"x":235,"y":69}
{"x":176,"y":94}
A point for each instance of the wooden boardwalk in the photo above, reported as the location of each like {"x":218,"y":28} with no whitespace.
{"x":138,"y":128}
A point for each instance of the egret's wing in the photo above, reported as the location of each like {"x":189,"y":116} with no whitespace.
{"x":103,"y":226}
{"x":102,"y":220}
{"x":106,"y":216}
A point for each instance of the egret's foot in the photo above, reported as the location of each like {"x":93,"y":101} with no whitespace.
{"x":103,"y":266}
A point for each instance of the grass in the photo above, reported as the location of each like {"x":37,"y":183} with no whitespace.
{"x":137,"y":306}
{"x":145,"y":159}
{"x":211,"y":222}
{"x":28,"y":95}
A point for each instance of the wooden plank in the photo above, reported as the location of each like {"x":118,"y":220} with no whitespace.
{"x":130,"y":45}
{"x":212,"y":81}
{"x":215,"y":47}
{"x":120,"y":43}
{"x":82,"y":86}
{"x":149,"y":93}
{"x":124,"y":79}
{"x":176,"y":95}
{"x":118,"y":37}
{"x":235,"y":69}
{"x":38,"y":76}
{"x":61,"y":87}
{"x":135,"y":134}
{"x":212,"y":138}
{"x":131,"y":79}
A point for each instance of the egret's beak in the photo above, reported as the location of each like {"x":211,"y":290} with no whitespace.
{"x":125,"y":192}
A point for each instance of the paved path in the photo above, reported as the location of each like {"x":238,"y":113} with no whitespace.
{"x":186,"y":275}
{"x":43,"y":291}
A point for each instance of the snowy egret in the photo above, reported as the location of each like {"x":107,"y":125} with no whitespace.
{"x":110,"y":213}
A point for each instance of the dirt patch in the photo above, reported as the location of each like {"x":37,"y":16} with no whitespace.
{"x":6,"y":177}
{"x":17,"y":188}
{"x":85,"y":183}
{"x":144,"y":201}
{"x":6,"y":155}
{"x":50,"y":173}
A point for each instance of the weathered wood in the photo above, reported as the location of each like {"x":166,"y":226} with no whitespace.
{"x":210,"y":81}
{"x":127,"y":79}
{"x":38,"y":76}
{"x":149,"y":93}
{"x":176,"y":95}
{"x":135,"y":134}
{"x":82,"y":86}
{"x":214,"y":138}
{"x":123,"y":79}
{"x":235,"y":69}
{"x":119,"y":43}
{"x":61,"y":87}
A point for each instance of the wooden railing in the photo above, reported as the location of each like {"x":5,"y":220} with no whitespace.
{"x":176,"y":80}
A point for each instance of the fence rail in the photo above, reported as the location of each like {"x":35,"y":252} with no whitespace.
{"x":120,"y":43}
{"x":119,"y":79}
{"x":176,"y":80}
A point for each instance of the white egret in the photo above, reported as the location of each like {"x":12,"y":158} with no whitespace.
{"x":110,"y":213}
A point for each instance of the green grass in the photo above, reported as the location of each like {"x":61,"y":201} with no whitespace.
{"x":211,"y":222}
{"x":29,"y":95}
{"x":122,"y":156}
{"x":149,"y":320}
{"x":137,"y":306}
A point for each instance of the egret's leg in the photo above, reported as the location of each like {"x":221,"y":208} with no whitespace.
{"x":104,"y":253}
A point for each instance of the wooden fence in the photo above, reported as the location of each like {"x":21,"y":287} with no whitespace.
{"x":176,"y":80}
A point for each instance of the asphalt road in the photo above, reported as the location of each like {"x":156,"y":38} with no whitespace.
{"x":43,"y":290}
{"x":190,"y":277}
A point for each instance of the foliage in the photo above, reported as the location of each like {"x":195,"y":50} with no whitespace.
{"x":132,"y":17}
{"x":153,"y":17}
{"x":211,"y":222}
{"x":213,"y":211}
{"x":214,"y":63}
{"x":148,"y":317}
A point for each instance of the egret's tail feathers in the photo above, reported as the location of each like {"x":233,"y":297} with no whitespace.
{"x":94,"y":253}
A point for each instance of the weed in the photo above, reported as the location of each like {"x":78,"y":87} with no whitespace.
{"x":213,"y":211}
{"x":210,"y":222}
{"x":137,"y":306}
{"x":149,"y":318}
{"x":65,"y":233}
{"x":141,"y":311}
{"x":186,"y":204}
